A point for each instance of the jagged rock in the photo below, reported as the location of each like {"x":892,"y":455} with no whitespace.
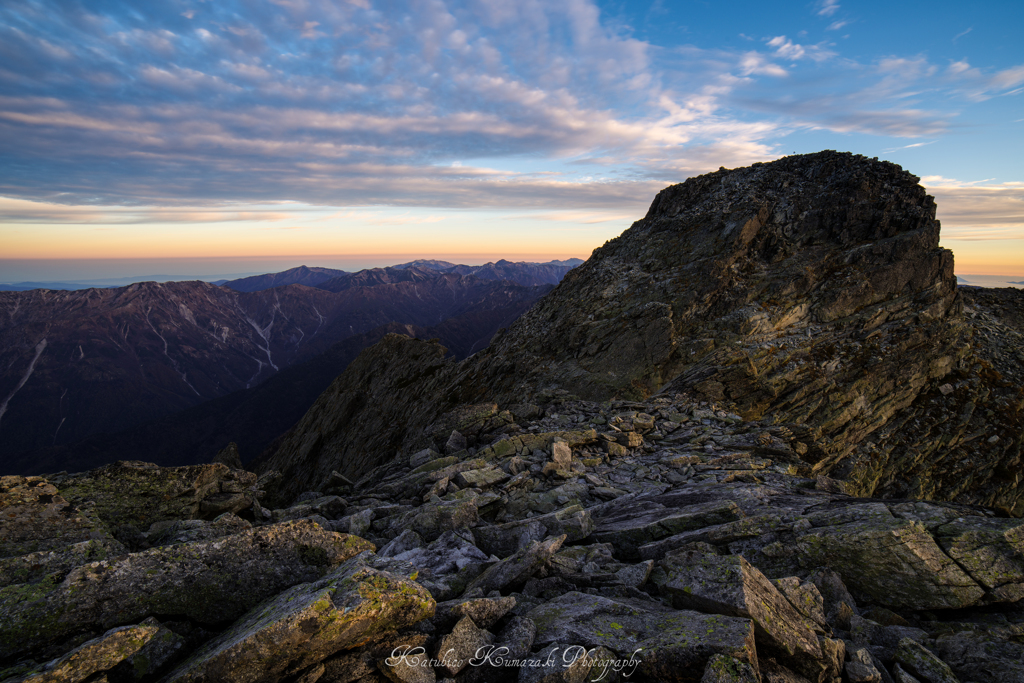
{"x":459,"y":647}
{"x":446,"y":565}
{"x":628,"y":526}
{"x":725,"y":669}
{"x":981,"y":657}
{"x":894,"y":561}
{"x":396,"y":651}
{"x":191,"y":530}
{"x":162,"y":651}
{"x":805,"y":597}
{"x":35,"y":518}
{"x":141,"y":493}
{"x":517,"y":568}
{"x":861,"y":668}
{"x":557,"y":663}
{"x":920,"y":661}
{"x":229,"y":456}
{"x":482,"y":478}
{"x":901,"y":676}
{"x":991,"y":551}
{"x":328,"y":507}
{"x":307,"y":623}
{"x":430,"y":521}
{"x":730,"y":585}
{"x":502,"y":540}
{"x":484,"y":612}
{"x":837,"y":603}
{"x":208,"y":581}
{"x":99,"y":654}
{"x":676,"y":645}
{"x":456,"y":443}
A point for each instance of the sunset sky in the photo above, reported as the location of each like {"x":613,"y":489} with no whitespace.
{"x":217,"y":137}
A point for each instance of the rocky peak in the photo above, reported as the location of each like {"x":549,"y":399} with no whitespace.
{"x":810,"y":291}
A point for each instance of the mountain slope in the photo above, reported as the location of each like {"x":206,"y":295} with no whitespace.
{"x":254,"y":417}
{"x":74,"y":364}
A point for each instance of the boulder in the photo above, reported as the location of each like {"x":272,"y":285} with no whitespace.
{"x":141,"y":493}
{"x":504,"y":539}
{"x":627,"y":527}
{"x":35,"y":518}
{"x":515,"y":570}
{"x":306,"y":624}
{"x":98,"y":654}
{"x":207,"y":581}
{"x":730,"y":585}
{"x":462,"y":645}
{"x":671,"y":645}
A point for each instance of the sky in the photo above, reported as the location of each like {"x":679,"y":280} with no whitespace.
{"x":221,"y":137}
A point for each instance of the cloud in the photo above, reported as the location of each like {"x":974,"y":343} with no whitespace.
{"x":544,"y":104}
{"x":916,"y":144}
{"x":787,"y":49}
{"x":979,"y":209}
{"x":827,"y":8}
{"x":13,"y":210}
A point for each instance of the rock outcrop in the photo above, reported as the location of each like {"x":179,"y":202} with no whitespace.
{"x":809,"y":291}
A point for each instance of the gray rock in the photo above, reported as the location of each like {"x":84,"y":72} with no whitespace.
{"x":229,"y":456}
{"x":557,"y":663}
{"x":224,"y":578}
{"x":456,"y":442}
{"x":307,"y":623}
{"x":192,"y":530}
{"x":448,"y":564}
{"x":504,"y":539}
{"x":161,"y":652}
{"x":99,"y":654}
{"x":976,"y":655}
{"x":674,"y":645}
{"x":725,"y":669}
{"x":731,"y":585}
{"x":627,"y":527}
{"x":515,"y":570}
{"x":466,"y":642}
{"x":37,"y":519}
{"x":484,"y":612}
{"x":922,"y":663}
{"x":140,"y":493}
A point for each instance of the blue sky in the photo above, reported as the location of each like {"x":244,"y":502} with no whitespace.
{"x":351,"y":128}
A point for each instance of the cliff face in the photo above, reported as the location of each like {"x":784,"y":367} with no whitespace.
{"x":808,"y":291}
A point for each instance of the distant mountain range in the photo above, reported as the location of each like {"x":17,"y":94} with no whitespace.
{"x":75,"y":364}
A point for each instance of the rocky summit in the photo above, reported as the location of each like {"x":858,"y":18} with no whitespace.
{"x":810,"y":291}
{"x":760,"y":437}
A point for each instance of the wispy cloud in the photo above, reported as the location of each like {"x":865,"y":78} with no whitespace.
{"x":978,"y":209}
{"x":787,"y":49}
{"x":916,"y":144}
{"x":962,"y":34}
{"x":827,"y":8}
